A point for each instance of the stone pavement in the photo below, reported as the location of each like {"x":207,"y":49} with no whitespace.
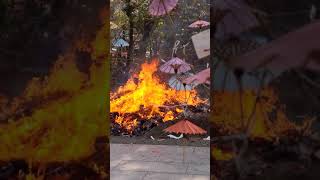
{"x":157,"y":162}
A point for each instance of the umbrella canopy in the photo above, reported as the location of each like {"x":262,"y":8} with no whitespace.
{"x":225,"y":79}
{"x":162,"y":7}
{"x":120,"y":43}
{"x":185,"y":127}
{"x":175,"y":66}
{"x":176,"y":82}
{"x":300,"y":48}
{"x":199,"y":78}
{"x":199,"y":24}
{"x":236,"y":18}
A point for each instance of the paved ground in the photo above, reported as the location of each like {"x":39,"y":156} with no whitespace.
{"x":159,"y":162}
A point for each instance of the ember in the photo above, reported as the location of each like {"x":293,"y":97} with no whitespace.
{"x":148,"y":99}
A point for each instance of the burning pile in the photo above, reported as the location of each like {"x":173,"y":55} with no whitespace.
{"x":260,"y":138}
{"x":144,"y":98}
{"x":265,"y":119}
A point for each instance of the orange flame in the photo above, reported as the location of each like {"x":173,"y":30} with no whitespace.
{"x":179,"y":110}
{"x":226,"y":114}
{"x":168,"y":116}
{"x":68,"y":113}
{"x":146,"y":96}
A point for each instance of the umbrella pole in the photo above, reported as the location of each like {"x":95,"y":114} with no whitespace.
{"x":185,"y":100}
{"x":183,"y":151}
{"x":170,"y":18}
{"x":250,"y":119}
{"x":248,"y":126}
{"x":238,"y":74}
{"x":186,"y":137}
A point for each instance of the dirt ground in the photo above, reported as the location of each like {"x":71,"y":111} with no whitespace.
{"x":278,"y":170}
{"x":260,"y":167}
{"x":194,"y":141}
{"x":161,"y":137}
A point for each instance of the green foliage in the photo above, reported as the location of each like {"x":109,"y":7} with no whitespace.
{"x":121,"y":18}
{"x":158,"y":31}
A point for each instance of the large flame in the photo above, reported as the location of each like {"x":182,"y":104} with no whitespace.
{"x":268,"y":120}
{"x":67,"y":112}
{"x":146,"y":95}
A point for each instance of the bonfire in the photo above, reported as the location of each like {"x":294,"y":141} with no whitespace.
{"x":147,"y":98}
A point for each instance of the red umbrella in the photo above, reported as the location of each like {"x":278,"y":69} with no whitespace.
{"x":185,"y":127}
{"x":175,"y":66}
{"x":300,"y":48}
{"x":162,"y":7}
{"x":236,"y":17}
{"x":199,"y":78}
{"x":199,"y":24}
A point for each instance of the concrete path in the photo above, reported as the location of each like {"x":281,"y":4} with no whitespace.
{"x":159,"y":162}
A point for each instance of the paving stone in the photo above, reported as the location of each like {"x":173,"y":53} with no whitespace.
{"x":200,"y":177}
{"x":115,"y":163}
{"x":199,"y":156}
{"x":202,"y":150}
{"x":127,"y":175}
{"x":199,"y":169}
{"x":152,"y":167}
{"x":120,"y":151}
{"x":143,"y":162}
{"x":166,"y":176}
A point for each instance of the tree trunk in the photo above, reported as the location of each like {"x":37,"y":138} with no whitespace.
{"x":129,"y":10}
{"x":148,"y":26}
{"x":131,"y":43}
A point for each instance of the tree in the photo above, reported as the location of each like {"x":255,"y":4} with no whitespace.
{"x":129,"y":9}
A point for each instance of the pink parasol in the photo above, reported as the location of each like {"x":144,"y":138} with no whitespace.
{"x":199,"y":24}
{"x":177,"y":82}
{"x":199,"y":78}
{"x":300,"y":48}
{"x":185,"y":127}
{"x":234,"y":18}
{"x":162,"y":7}
{"x":175,"y":66}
